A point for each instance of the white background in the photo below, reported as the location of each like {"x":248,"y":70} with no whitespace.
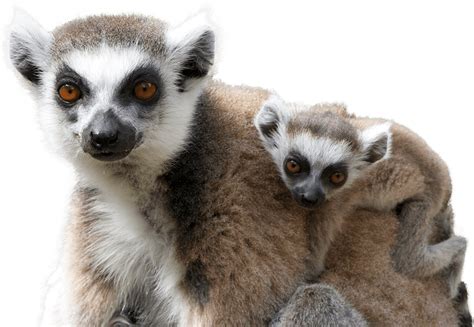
{"x":412,"y":61}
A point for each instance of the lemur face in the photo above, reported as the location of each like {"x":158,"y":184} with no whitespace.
{"x":317,"y":152}
{"x":115,"y":88}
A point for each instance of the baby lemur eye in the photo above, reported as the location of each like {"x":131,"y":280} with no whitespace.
{"x":292,"y":166}
{"x":337,"y":178}
{"x":69,"y":92}
{"x":144,"y":90}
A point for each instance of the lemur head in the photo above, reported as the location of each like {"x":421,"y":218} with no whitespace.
{"x":316,"y":149}
{"x":114,"y":88}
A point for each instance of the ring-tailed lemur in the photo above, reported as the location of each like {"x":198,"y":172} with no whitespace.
{"x":159,"y":230}
{"x":332,"y":162}
{"x":169,"y":223}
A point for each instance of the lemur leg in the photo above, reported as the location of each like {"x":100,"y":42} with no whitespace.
{"x":323,"y":226}
{"x":412,"y":255}
{"x":318,"y":305}
{"x":443,"y":230}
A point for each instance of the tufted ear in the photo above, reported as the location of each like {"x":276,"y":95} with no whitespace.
{"x":29,"y":46}
{"x":270,"y":118}
{"x":376,"y":141}
{"x":191,"y":47}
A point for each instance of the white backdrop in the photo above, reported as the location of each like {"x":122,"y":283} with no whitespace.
{"x":412,"y":61}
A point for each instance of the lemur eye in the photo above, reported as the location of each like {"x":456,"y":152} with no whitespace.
{"x":293,"y":167}
{"x":69,"y":93}
{"x":144,"y":90}
{"x":337,"y":178}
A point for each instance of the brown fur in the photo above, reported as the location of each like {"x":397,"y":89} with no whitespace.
{"x":252,"y":239}
{"x":120,"y":30}
{"x":417,"y":179}
{"x":414,"y":177}
{"x":244,"y":254}
{"x":359,"y":266}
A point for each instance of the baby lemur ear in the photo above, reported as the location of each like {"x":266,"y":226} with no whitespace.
{"x":272,"y":115}
{"x":29,"y":46}
{"x":191,"y":47}
{"x":376,"y":141}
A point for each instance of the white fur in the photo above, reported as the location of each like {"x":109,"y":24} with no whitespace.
{"x":27,"y":34}
{"x":182,"y":36}
{"x":373,"y":133}
{"x":134,"y":253}
{"x":138,"y":252}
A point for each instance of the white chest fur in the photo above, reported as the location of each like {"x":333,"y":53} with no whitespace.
{"x":138,"y":256}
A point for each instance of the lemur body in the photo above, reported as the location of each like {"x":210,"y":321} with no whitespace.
{"x":169,"y":222}
{"x":334,"y":162}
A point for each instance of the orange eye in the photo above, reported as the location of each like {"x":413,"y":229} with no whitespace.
{"x":144,"y":90}
{"x":293,"y":167}
{"x":69,"y":93}
{"x":337,"y":178}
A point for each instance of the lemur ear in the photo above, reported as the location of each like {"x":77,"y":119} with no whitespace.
{"x":191,"y":47}
{"x":271,"y":116}
{"x":29,"y":46}
{"x":376,"y":142}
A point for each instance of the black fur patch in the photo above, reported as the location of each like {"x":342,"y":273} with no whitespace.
{"x":187,"y":180}
{"x":148,"y":73}
{"x":22,"y":60}
{"x":197,"y":282}
{"x":199,"y":60}
{"x":188,"y":176}
{"x":460,"y":302}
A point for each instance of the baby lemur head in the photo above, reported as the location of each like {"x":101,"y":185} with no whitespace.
{"x":114,"y":88}
{"x":316,"y":149}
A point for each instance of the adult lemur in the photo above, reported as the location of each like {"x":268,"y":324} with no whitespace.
{"x":178,"y":215}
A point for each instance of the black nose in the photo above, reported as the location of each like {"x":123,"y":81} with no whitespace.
{"x":312,"y":198}
{"x":108,"y":137}
{"x":104,"y":138}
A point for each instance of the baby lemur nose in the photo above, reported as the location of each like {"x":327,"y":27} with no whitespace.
{"x":312,"y":198}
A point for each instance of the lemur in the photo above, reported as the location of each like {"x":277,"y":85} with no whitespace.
{"x":169,"y":224}
{"x":332,"y":161}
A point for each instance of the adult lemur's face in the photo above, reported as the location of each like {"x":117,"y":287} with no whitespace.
{"x":114,"y":87}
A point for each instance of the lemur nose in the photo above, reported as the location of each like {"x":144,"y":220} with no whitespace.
{"x":312,"y":198}
{"x":103,"y":139}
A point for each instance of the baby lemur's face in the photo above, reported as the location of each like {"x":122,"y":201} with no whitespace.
{"x":317,"y":150}
{"x":114,"y":88}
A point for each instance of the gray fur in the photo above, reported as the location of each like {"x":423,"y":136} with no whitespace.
{"x":117,"y":31}
{"x":318,"y":305}
{"x":392,"y":167}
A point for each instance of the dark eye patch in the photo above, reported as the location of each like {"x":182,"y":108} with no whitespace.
{"x":147,"y":73}
{"x":341,"y":167}
{"x":301,"y":160}
{"x":67,"y":75}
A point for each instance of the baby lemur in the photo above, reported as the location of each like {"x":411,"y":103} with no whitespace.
{"x":332,"y":161}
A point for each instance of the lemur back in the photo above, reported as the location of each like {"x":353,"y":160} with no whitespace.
{"x":333,"y":162}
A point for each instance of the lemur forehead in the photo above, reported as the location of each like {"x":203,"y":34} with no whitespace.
{"x":106,"y":66}
{"x":146,"y":33}
{"x":324,"y":124}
